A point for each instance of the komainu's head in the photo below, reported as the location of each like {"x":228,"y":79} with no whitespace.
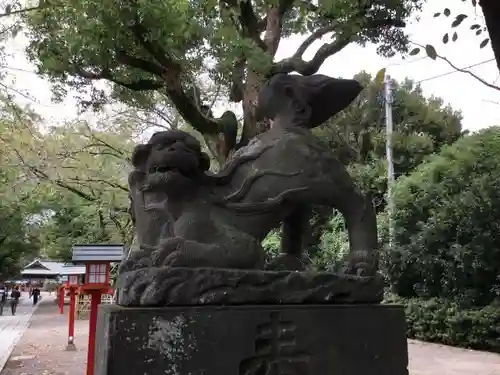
{"x":171,"y":160}
{"x":314,"y":99}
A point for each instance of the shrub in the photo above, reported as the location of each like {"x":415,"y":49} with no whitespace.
{"x":447,"y":234}
{"x":445,"y":322}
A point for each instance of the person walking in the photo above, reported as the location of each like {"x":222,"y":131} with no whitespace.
{"x":14,"y":299}
{"x":35,"y":293}
{"x":3,"y":298}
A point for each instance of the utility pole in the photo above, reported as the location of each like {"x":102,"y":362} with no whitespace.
{"x":388,"y":148}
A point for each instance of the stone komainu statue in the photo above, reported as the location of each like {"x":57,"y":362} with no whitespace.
{"x":186,"y":217}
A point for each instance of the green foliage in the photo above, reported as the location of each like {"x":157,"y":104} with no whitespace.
{"x":447,"y":232}
{"x":358,"y":134}
{"x":271,"y":244}
{"x":19,"y":205}
{"x":334,"y":245}
{"x":64,"y":186}
{"x":18,"y":239}
{"x":445,"y":322}
{"x":148,"y":50}
{"x":76,"y":221}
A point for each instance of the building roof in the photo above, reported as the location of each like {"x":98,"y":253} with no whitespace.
{"x":51,"y":268}
{"x":73,"y":270}
{"x":97,"y":252}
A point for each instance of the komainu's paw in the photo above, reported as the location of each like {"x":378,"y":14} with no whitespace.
{"x":167,"y":247}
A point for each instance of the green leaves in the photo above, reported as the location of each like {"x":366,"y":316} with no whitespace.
{"x":484,"y":43}
{"x":414,"y":51}
{"x":445,"y":210}
{"x":431,"y":51}
{"x":75,"y":179}
{"x":459,"y":19}
{"x":451,"y":323}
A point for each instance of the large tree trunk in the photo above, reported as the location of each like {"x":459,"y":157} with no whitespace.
{"x":491,"y":11}
{"x":250,"y":95}
{"x":254,"y":81}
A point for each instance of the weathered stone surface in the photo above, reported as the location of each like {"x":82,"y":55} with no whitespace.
{"x":186,"y":216}
{"x":252,"y":340}
{"x":207,"y":286}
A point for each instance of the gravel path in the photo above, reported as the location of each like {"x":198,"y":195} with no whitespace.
{"x":41,"y":351}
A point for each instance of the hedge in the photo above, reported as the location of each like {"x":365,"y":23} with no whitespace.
{"x":441,"y":321}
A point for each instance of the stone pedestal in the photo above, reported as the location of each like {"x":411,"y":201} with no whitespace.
{"x":252,"y":340}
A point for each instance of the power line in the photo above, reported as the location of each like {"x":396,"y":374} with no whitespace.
{"x":455,"y":71}
{"x":406,"y":62}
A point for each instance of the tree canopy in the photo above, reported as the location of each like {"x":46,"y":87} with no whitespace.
{"x":65,"y":184}
{"x":166,"y":53}
{"x":20,"y":205}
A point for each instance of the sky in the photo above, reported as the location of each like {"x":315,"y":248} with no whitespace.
{"x":479,"y":104}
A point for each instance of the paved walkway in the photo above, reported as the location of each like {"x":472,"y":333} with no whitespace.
{"x":41,"y":350}
{"x":435,"y":359}
{"x":13,"y":327}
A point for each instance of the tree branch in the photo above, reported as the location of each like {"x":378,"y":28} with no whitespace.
{"x":248,"y":20}
{"x":306,"y":68}
{"x":139,"y":85}
{"x":473,"y":75}
{"x":283,"y":6}
{"x":9,"y":12}
{"x":102,"y":142}
{"x":138,"y":63}
{"x":250,"y":23}
{"x":184,"y":103}
{"x":296,"y":62}
{"x":99,"y":180}
{"x":160,"y":55}
{"x":37,"y":172}
{"x":463,"y":70}
{"x":313,"y":37}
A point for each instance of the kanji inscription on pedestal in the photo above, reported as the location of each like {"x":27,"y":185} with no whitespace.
{"x":275,"y":350}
